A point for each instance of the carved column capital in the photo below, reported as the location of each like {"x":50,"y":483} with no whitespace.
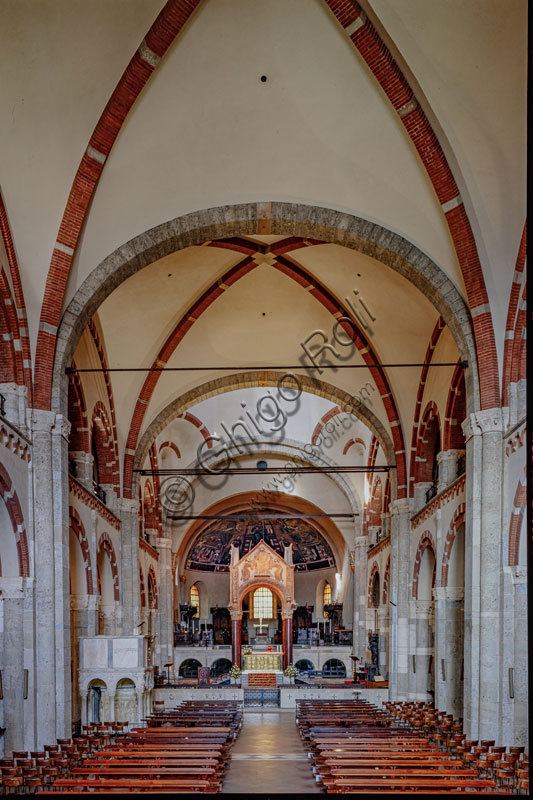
{"x":480,"y":422}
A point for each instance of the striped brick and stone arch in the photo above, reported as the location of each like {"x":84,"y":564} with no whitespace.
{"x":14,"y":510}
{"x":517,"y":518}
{"x":412,"y":114}
{"x":457,"y":520}
{"x":330,"y":428}
{"x":307,"y":223}
{"x":515,"y":326}
{"x":100,"y":349}
{"x":426,"y":541}
{"x":373,"y":572}
{"x":11,"y":369}
{"x":150,"y":517}
{"x":172,"y":445}
{"x":352,"y":442}
{"x":435,"y":336}
{"x":386,"y":575}
{"x":17,"y":308}
{"x":453,"y":436}
{"x":105,"y":544}
{"x":142,"y":587}
{"x":152,"y":589}
{"x":102,"y":445}
{"x":386,"y":496}
{"x":77,"y":527}
{"x":270,"y":378}
{"x":308,"y":283}
{"x":428,"y":444}
{"x":375,"y":507}
{"x":387,"y":72}
{"x":77,"y":415}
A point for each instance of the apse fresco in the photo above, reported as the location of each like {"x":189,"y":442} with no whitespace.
{"x":211,"y":550}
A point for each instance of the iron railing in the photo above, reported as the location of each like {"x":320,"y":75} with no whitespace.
{"x":431,"y":492}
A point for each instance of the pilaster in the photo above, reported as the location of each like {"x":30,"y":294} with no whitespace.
{"x":400,"y":584}
{"x":129,"y":566}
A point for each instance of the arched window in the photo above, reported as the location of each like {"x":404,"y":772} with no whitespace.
{"x":375,"y":591}
{"x":327,"y":594}
{"x":195,"y":598}
{"x":263,"y":603}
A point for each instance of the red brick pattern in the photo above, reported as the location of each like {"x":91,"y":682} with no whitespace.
{"x":77,"y":415}
{"x":385,"y":69}
{"x":168,"y":24}
{"x":105,"y":543}
{"x":172,"y":446}
{"x":19,"y":327}
{"x":428,"y":441}
{"x":150,"y":518}
{"x":373,"y":571}
{"x":93,"y":330}
{"x":515,"y":441}
{"x":15,"y":444}
{"x":457,"y":520}
{"x":10,"y":498}
{"x":375,"y":509}
{"x":352,"y":442}
{"x":425,"y":541}
{"x":510,"y":328}
{"x":453,"y":437}
{"x":10,"y":357}
{"x":76,"y":526}
{"x":439,"y":327}
{"x":102,"y":436}
{"x":517,"y":517}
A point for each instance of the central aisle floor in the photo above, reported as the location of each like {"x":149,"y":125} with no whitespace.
{"x":268,"y":756}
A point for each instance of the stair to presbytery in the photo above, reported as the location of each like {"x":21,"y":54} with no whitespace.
{"x":262,"y":680}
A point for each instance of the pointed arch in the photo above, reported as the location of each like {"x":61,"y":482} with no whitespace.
{"x":105,"y":544}
{"x":453,"y":437}
{"x":517,"y":517}
{"x":76,"y":526}
{"x":10,"y":498}
{"x":428,"y":444}
{"x":425,"y":542}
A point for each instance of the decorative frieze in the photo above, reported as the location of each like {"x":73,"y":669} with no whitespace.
{"x":515,"y":441}
{"x":14,"y":441}
{"x":379,"y":547}
{"x":453,"y":491}
{"x":148,"y":549}
{"x":92,"y":502}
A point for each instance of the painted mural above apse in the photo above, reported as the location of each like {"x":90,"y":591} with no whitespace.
{"x":211,"y":550}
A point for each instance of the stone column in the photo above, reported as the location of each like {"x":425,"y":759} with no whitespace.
{"x":129,"y":567}
{"x":359,"y":597}
{"x":400,"y":582}
{"x":383,"y":618}
{"x":52,"y":593}
{"x":12,"y":627}
{"x":84,"y":467}
{"x":447,"y":461}
{"x":483,"y":432}
{"x":83,"y":704}
{"x":449,"y":615}
{"x":236,"y":638}
{"x":287,"y":640}
{"x":166,"y":635}
{"x":420,"y":490}
{"x":421,"y":613}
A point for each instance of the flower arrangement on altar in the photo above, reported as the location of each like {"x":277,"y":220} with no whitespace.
{"x":269,"y":649}
{"x":290,"y":671}
{"x":234,"y":672}
{"x":247,"y":651}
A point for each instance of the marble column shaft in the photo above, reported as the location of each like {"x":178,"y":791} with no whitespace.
{"x":51,"y":553}
{"x":400,"y":584}
{"x":129,"y":567}
{"x":449,"y":616}
{"x":166,"y":634}
{"x":360,"y":581}
{"x":483,"y":431}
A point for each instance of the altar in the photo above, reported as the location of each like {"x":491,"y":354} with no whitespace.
{"x":263,"y":662}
